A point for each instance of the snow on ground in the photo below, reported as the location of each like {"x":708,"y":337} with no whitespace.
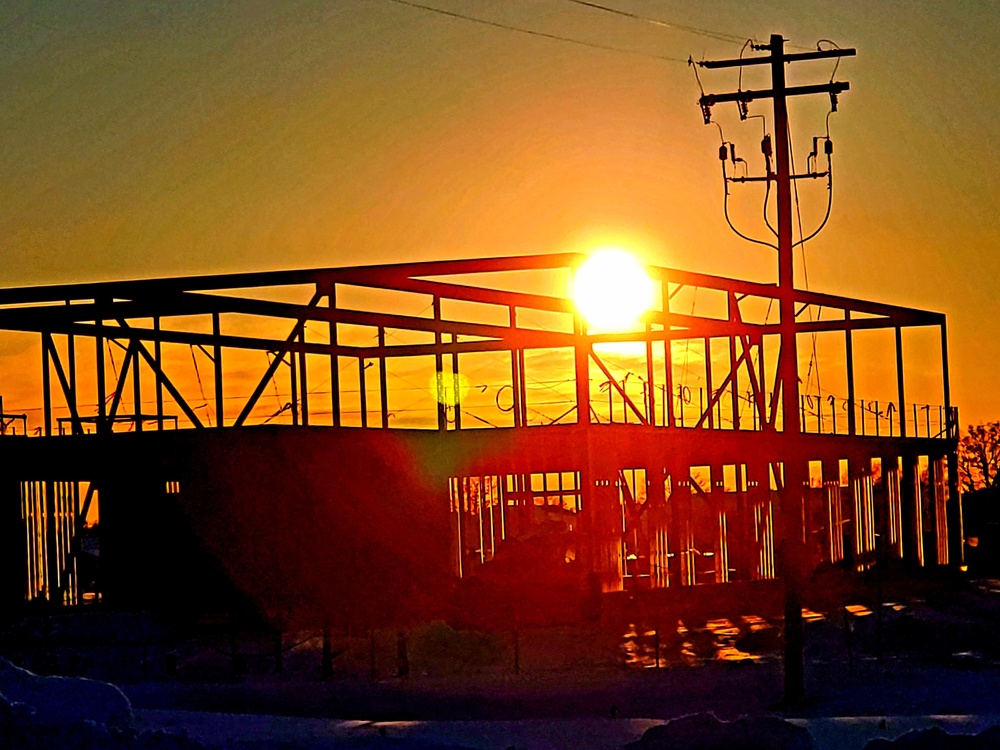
{"x":290,"y":733}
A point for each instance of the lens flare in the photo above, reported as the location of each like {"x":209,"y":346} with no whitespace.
{"x":449,"y":388}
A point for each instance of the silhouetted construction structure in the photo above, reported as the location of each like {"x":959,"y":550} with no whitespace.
{"x":495,"y":408}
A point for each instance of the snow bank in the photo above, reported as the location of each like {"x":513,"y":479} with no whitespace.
{"x":937,"y":739}
{"x":705,"y":732}
{"x":55,"y":701}
{"x":50,"y":713}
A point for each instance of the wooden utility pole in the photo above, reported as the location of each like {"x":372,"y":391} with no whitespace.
{"x":792,"y":546}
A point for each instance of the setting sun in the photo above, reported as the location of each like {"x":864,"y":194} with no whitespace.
{"x":612,"y":291}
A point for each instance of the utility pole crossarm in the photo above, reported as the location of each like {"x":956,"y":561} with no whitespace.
{"x":773,"y":178}
{"x":796,"y":57}
{"x":834,"y":87}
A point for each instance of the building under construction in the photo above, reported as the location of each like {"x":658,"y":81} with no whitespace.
{"x":356,"y":440}
{"x":488,"y":417}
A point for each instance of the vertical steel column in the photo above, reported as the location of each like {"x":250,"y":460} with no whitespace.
{"x":830,"y":471}
{"x":71,"y":364}
{"x":334,"y":360}
{"x":455,"y":504}
{"x":762,"y":416}
{"x":733,"y":314}
{"x":515,"y":377}
{"x":581,"y":352}
{"x":945,"y":379}
{"x":681,"y":502}
{"x":668,"y":352}
{"x":158,"y":359}
{"x":880,"y":496}
{"x":383,"y":380}
{"x":861,"y":488}
{"x":734,"y":392}
{"x":102,"y":406}
{"x":73,"y":524}
{"x":363,"y":391}
{"x":606,"y":516}
{"x":900,"y":387}
{"x":852,"y":427}
{"x":456,"y":386}
{"x":650,"y":384}
{"x":939,"y":485}
{"x":220,"y":405}
{"x":708,"y":385}
{"x":46,"y":386}
{"x":720,"y":532}
{"x":849,"y":510}
{"x":673,"y":528}
{"x":293,"y":380}
{"x":31,"y":519}
{"x":739,"y":544}
{"x":51,"y":542}
{"x":136,"y":385}
{"x":891,"y":481}
{"x":657,"y":527}
{"x":442,"y":412}
{"x":913,"y":543}
{"x":303,"y":380}
{"x":522,"y":388}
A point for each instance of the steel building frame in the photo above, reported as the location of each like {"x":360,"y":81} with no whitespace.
{"x":631,"y":463}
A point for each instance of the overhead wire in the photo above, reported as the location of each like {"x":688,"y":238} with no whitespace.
{"x":725,"y":211}
{"x":716,"y":35}
{"x":814,"y":358}
{"x":691,"y":64}
{"x":534,"y":32}
{"x":739,"y":81}
{"x":835,"y":46}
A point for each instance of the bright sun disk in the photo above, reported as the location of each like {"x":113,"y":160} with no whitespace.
{"x":612,"y":291}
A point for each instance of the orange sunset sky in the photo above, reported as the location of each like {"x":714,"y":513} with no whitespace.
{"x":150,"y":139}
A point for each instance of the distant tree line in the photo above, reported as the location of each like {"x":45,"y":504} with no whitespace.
{"x":979,"y":458}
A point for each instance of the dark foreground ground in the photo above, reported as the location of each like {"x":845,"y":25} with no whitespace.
{"x":930,"y":658}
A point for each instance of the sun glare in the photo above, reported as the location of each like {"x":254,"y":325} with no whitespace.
{"x":612,"y":291}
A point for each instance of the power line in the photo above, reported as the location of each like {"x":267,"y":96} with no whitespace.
{"x":533,"y":32}
{"x":716,"y":35}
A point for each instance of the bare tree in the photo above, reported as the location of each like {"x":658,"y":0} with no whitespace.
{"x":979,"y":457}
